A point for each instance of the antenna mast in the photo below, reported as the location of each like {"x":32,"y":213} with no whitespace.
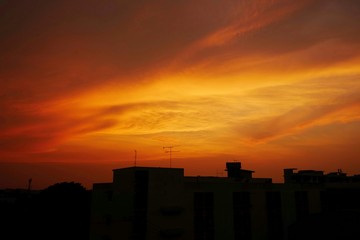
{"x":170,"y":151}
{"x":29,"y":184}
{"x":135,"y":157}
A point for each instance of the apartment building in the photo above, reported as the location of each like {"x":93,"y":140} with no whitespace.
{"x":161,"y":203}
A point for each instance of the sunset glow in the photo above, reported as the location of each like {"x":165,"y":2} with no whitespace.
{"x":273,"y":84}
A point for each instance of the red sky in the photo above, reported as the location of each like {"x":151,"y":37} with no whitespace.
{"x":273,"y":84}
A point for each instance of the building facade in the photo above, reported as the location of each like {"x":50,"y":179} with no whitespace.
{"x":161,"y":203}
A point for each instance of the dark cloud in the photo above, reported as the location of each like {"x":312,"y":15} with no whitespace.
{"x":35,"y":130}
{"x":53,"y":48}
{"x":57,"y":48}
{"x":318,"y":34}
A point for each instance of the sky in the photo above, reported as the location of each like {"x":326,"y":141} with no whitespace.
{"x":84,"y":84}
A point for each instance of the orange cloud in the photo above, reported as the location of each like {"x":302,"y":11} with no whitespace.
{"x":90,"y":81}
{"x":303,"y":106}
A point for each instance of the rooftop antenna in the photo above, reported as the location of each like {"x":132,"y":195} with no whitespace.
{"x":29,"y":184}
{"x":170,"y":151}
{"x":135,"y":157}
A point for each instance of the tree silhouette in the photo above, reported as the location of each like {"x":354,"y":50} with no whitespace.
{"x":63,"y":212}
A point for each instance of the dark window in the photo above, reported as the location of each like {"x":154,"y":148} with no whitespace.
{"x":204,"y":216}
{"x":323,"y":200}
{"x":301,"y":204}
{"x":140,"y":204}
{"x":274,"y":216}
{"x":242,"y":215}
{"x":106,"y":237}
{"x":108,"y":220}
{"x":109,"y":195}
{"x":340,"y":199}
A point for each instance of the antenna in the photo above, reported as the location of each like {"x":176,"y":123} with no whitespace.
{"x":135,"y":157}
{"x":170,"y":151}
{"x":29,"y":184}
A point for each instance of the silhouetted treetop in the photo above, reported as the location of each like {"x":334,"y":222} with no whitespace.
{"x":64,"y":208}
{"x":62,"y":191}
{"x":65,"y":187}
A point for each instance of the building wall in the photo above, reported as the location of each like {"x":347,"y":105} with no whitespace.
{"x":160,"y":203}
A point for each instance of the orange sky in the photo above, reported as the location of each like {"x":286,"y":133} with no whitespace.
{"x":273,"y":84}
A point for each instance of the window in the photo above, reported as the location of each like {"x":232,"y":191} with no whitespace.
{"x":203,"y":215}
{"x":108,"y":220}
{"x":274,"y":216}
{"x":109,"y":195}
{"x":242,"y":215}
{"x":140,"y":204}
{"x":301,"y":204}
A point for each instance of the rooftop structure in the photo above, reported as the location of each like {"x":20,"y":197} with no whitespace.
{"x":313,"y":176}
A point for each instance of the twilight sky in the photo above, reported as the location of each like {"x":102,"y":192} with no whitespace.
{"x":271,"y":83}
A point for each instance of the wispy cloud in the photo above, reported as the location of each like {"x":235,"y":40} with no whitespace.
{"x":79,"y":79}
{"x":323,"y":105}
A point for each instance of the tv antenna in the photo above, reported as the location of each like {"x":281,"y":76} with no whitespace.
{"x":169,"y":149}
{"x":29,"y":184}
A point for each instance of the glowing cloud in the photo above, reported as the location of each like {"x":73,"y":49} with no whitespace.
{"x":259,"y":81}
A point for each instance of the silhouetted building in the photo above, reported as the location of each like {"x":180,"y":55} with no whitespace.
{"x":234,"y":171}
{"x":162,"y":203}
{"x":312,"y":176}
